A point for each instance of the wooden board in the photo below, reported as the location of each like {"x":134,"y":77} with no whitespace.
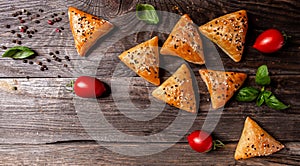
{"x":39,"y":123}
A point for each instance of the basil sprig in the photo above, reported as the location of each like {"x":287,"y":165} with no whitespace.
{"x":147,"y":13}
{"x":248,"y":94}
{"x":18,"y":52}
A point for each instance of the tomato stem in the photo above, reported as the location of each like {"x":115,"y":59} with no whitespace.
{"x":286,"y":37}
{"x":217,"y":144}
{"x":70,"y":85}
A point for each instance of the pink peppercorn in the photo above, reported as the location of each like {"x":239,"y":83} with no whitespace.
{"x":50,"y":22}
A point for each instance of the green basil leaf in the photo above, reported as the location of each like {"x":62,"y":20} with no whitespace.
{"x":262,"y":97}
{"x":147,"y":13}
{"x":15,"y":52}
{"x":23,"y":54}
{"x":262,"y":76}
{"x":247,"y":94}
{"x":260,"y":100}
{"x":274,"y":103}
{"x":10,"y":53}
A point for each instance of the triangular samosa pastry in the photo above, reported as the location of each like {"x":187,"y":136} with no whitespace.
{"x":221,"y":85}
{"x":178,"y":90}
{"x":184,"y":41}
{"x":228,"y":32}
{"x":144,"y":60}
{"x":86,"y":29}
{"x":255,"y":141}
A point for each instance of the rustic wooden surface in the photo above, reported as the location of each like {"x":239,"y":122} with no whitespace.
{"x":38,"y":121}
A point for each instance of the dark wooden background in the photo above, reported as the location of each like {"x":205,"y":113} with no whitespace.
{"x":38,"y":121}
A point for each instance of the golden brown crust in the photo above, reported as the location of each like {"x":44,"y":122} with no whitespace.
{"x":221,"y":85}
{"x":86,"y":29}
{"x":228,"y":32}
{"x":178,"y":90}
{"x":255,"y":141}
{"x":144,"y":60}
{"x":184,"y":41}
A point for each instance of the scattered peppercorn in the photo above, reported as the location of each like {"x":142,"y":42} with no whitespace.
{"x":14,"y":41}
{"x":39,"y":63}
{"x":57,"y":30}
{"x":59,"y":76}
{"x":24,"y":61}
{"x":14,"y":14}
{"x":27,"y":77}
{"x":4,"y":47}
{"x":37,"y":21}
{"x":37,"y":15}
{"x":28,"y":13}
{"x":35,"y":30}
{"x":19,"y":36}
{"x":30,"y":62}
{"x":48,"y":60}
{"x":7,"y":26}
{"x":63,"y":13}
{"x":65,"y":65}
{"x":19,"y":42}
{"x":55,"y":14}
{"x":14,"y":88}
{"x":42,"y":69}
{"x":41,"y":10}
{"x":30,"y":36}
{"x":20,"y":18}
{"x":13,"y":31}
{"x":56,"y":52}
{"x":22,"y":21}
{"x":67,"y":57}
{"x":62,"y":28}
{"x":51,"y":53}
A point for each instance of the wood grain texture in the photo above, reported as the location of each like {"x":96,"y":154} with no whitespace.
{"x":89,"y":153}
{"x":39,"y":124}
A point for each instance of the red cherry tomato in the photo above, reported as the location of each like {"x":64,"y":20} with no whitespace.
{"x":88,"y":87}
{"x":269,"y":41}
{"x":200,"y":141}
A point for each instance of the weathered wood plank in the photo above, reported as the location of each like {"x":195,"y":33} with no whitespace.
{"x":43,"y":111}
{"x":95,"y":154}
